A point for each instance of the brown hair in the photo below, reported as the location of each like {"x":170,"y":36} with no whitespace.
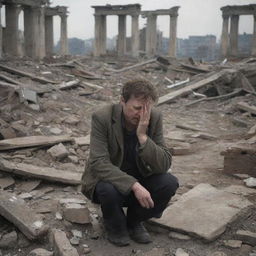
{"x":139,"y":88}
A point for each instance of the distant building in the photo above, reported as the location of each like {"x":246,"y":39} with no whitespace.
{"x":245,"y":44}
{"x":198,"y":47}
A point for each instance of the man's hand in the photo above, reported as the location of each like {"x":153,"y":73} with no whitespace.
{"x":142,"y":195}
{"x":144,"y":122}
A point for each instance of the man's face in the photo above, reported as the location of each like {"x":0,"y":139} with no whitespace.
{"x":132,"y":110}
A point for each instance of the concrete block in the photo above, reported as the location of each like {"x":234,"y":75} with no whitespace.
{"x":76,"y":213}
{"x":58,"y":151}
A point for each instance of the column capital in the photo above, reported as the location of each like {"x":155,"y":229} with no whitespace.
{"x":174,"y":15}
{"x":225,"y":16}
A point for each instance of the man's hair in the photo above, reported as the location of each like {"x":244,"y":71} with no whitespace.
{"x":139,"y":88}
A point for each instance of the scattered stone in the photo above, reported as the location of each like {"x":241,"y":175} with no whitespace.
{"x":25,"y":196}
{"x":205,"y":136}
{"x":58,"y":216}
{"x":9,"y":240}
{"x":72,"y":201}
{"x":73,"y":159}
{"x":246,"y":236}
{"x":181,"y":252}
{"x":62,"y":245}
{"x":27,"y":186}
{"x":58,"y":151}
{"x":81,"y":141}
{"x":250,"y":182}
{"x":55,"y":131}
{"x":76,"y":213}
{"x":217,"y":254}
{"x":72,"y":120}
{"x":87,"y":250}
{"x":155,"y":252}
{"x":40,"y":252}
{"x":179,"y":236}
{"x":6,"y":182}
{"x":240,"y":190}
{"x":203,"y":211}
{"x":241,"y":176}
{"x":77,"y":233}
{"x":74,"y":240}
{"x":232,"y":243}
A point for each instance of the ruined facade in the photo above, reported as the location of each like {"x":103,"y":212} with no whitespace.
{"x":134,"y":10}
{"x":229,"y":39}
{"x":38,"y":28}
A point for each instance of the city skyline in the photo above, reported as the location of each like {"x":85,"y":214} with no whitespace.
{"x":81,"y":18}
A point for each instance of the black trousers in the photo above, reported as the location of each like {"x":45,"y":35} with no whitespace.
{"x":161,"y":187}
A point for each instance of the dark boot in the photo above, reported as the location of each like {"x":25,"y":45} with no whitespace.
{"x":138,"y":233}
{"x":117,"y":237}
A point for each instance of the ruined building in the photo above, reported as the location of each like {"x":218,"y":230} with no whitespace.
{"x":37,"y":39}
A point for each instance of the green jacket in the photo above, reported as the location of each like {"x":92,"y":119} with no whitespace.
{"x":107,"y":149}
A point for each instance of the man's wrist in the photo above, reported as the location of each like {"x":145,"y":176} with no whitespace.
{"x":142,"y":139}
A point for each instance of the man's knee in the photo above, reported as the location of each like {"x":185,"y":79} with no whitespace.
{"x":172,"y":183}
{"x":105,"y":191}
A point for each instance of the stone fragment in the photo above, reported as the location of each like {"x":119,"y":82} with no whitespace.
{"x":73,"y":159}
{"x":9,"y":240}
{"x":179,"y":236}
{"x":76,"y":213}
{"x":40,"y":252}
{"x":181,"y":252}
{"x":72,"y":201}
{"x":77,"y":233}
{"x":246,"y":236}
{"x":81,"y":141}
{"x":232,"y":243}
{"x":203,"y":211}
{"x":25,"y":196}
{"x":55,"y":131}
{"x":6,"y":182}
{"x":62,"y":245}
{"x":71,"y":120}
{"x":74,"y":240}
{"x":58,"y":151}
{"x":27,"y":186}
{"x":217,"y":254}
{"x":250,"y":182}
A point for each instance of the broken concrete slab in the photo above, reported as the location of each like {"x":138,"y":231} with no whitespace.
{"x":6,"y":182}
{"x":39,"y":172}
{"x":76,"y":213}
{"x":204,"y":211}
{"x":232,"y":243}
{"x":27,"y":186}
{"x":40,"y":252}
{"x":62,"y":245}
{"x":16,"y":211}
{"x":32,"y":141}
{"x":246,"y":236}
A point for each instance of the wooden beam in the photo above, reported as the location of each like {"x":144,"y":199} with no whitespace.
{"x":32,"y":141}
{"x":246,"y":107}
{"x":26,"y":74}
{"x":193,"y":86}
{"x":40,"y":172}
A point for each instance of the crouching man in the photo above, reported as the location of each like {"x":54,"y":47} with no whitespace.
{"x":128,"y":164}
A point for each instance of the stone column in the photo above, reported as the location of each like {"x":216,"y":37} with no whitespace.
{"x":135,"y":36}
{"x":254,"y":37}
{"x":42,"y":50}
{"x":32,"y":31}
{"x":12,"y":29}
{"x":224,"y":36}
{"x":1,"y":34}
{"x":49,"y":35}
{"x":173,"y":35}
{"x":121,"y":41}
{"x":103,"y":33}
{"x":63,"y":35}
{"x":151,"y":35}
{"x":234,"y":35}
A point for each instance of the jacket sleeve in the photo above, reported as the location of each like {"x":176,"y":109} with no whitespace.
{"x":154,"y":155}
{"x":100,"y":163}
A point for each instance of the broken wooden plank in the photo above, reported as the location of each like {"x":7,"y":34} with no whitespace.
{"x":135,"y":66}
{"x":83,"y":74}
{"x":32,"y":141}
{"x":9,"y":79}
{"x":17,"y":212}
{"x":23,"y":73}
{"x":195,"y":85}
{"x":195,"y":68}
{"x":246,"y":107}
{"x":69,"y":84}
{"x":94,"y":86}
{"x":39,"y":172}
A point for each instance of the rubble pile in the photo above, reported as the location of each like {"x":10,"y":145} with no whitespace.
{"x":209,"y":114}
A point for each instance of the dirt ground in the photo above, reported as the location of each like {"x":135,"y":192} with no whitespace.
{"x":203,"y":164}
